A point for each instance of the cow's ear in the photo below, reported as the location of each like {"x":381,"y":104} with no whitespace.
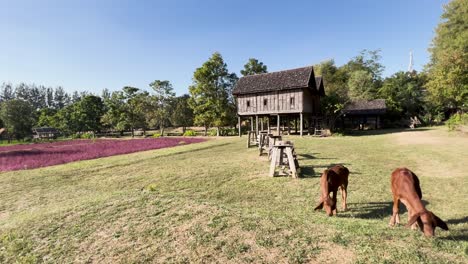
{"x":319,"y":206}
{"x":441,"y":223}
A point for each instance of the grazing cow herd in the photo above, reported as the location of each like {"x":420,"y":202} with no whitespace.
{"x":405,"y":188}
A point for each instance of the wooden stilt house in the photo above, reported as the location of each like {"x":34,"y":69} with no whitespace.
{"x":280,"y":98}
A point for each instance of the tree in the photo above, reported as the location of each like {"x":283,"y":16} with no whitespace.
{"x":336,"y":82}
{"x":133,"y":111}
{"x":403,"y":94}
{"x":364,"y":75}
{"x":360,"y":85}
{"x":448,"y":67}
{"x":161,"y":103}
{"x":46,"y":117}
{"x":18,"y":118}
{"x":81,"y":116}
{"x":87,"y":114}
{"x":49,"y":98}
{"x":253,"y":66}
{"x":61,"y":98}
{"x":6,"y":92}
{"x":115,"y":116}
{"x":211,"y":94}
{"x":182,"y":114}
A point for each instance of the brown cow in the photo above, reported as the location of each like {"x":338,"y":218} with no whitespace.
{"x":332,"y":178}
{"x":405,"y":188}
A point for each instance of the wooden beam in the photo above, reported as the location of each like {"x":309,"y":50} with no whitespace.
{"x":251,"y":123}
{"x":239,"y":123}
{"x":268,"y":124}
{"x":278,"y":124}
{"x":256,"y":124}
{"x":302,"y":124}
{"x":261,"y":124}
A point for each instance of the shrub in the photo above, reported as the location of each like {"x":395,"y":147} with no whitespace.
{"x":456,"y":121}
{"x":156,"y":135}
{"x":228,"y":131}
{"x":189,"y":133}
{"x":87,"y":135}
{"x":212,"y":132}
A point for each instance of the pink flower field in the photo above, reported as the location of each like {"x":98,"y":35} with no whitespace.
{"x":29,"y":156}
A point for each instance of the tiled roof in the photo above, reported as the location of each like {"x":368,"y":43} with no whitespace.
{"x":277,"y":81}
{"x":374,"y":107}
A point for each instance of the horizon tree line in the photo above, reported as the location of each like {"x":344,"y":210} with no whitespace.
{"x":439,"y":90}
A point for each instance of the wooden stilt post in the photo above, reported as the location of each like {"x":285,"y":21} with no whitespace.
{"x":251,"y":123}
{"x":256,"y":124}
{"x":278,"y":125}
{"x":239,"y":123}
{"x":295,"y":125}
{"x":302,"y":120}
{"x":261,"y":124}
{"x":268,"y":125}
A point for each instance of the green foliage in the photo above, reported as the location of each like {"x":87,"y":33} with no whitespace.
{"x":211,"y":93}
{"x":456,"y":121}
{"x":364,"y":75}
{"x":18,"y":118}
{"x":228,"y":131}
{"x":253,"y":66}
{"x":448,"y":67}
{"x":189,"y":133}
{"x":213,"y":132}
{"x":88,"y":135}
{"x":46,"y":117}
{"x":156,"y":135}
{"x":159,"y":113}
{"x":182,"y":114}
{"x":116,"y":115}
{"x":403,"y":94}
{"x":360,"y":85}
{"x":335,"y":79}
{"x":126,"y":109}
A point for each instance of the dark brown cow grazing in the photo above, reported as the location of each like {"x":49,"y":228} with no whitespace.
{"x":405,"y":188}
{"x":334,"y":177}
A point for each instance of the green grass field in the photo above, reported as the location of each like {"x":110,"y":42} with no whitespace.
{"x":213,"y":202}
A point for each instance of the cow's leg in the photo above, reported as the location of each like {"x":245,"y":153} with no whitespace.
{"x":344,"y":194}
{"x":334,"y":202}
{"x":395,"y":219}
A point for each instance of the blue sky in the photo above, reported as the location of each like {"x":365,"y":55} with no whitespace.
{"x":91,"y":45}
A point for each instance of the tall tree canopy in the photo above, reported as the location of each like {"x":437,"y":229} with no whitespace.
{"x":364,"y":74}
{"x":403,"y":94}
{"x":161,"y":104}
{"x":18,"y":118}
{"x":211,"y":93}
{"x":182,"y":114}
{"x":448,"y":67}
{"x":253,"y":66}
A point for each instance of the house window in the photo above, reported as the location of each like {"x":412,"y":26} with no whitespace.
{"x":291,"y":101}
{"x":248,"y":103}
{"x":265,"y":102}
